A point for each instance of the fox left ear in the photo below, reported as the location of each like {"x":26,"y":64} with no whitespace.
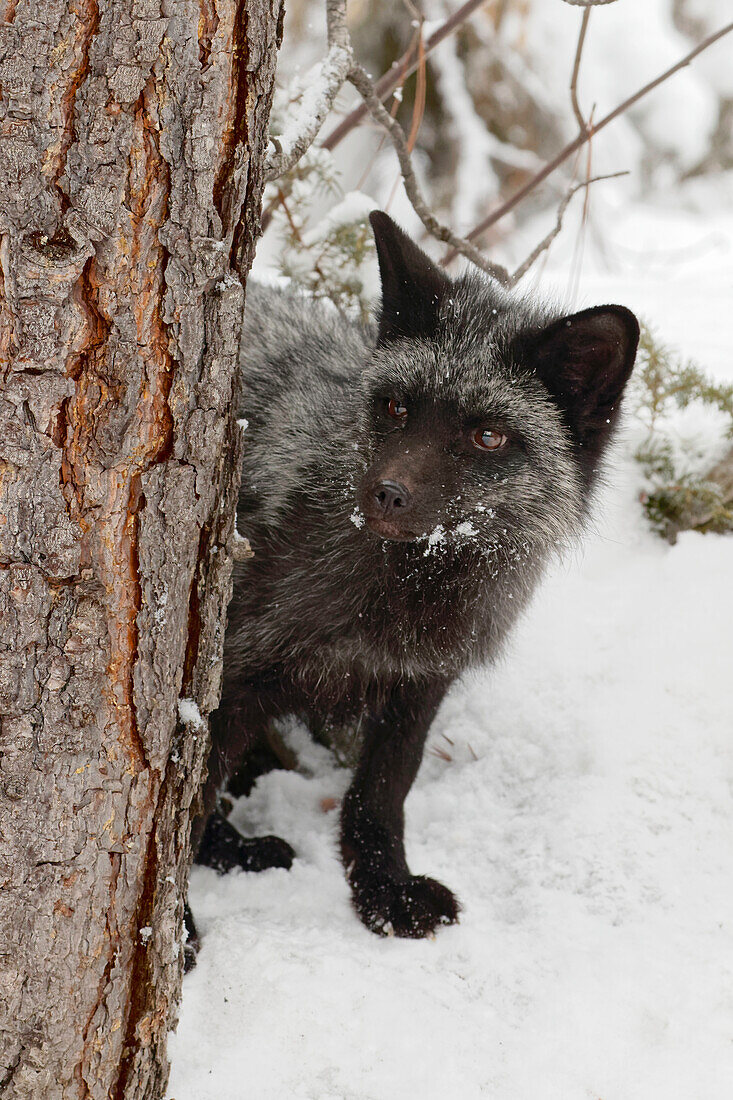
{"x":413,"y":287}
{"x":585,"y":361}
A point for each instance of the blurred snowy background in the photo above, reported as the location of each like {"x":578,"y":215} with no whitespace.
{"x":577,"y":797}
{"x":491,"y":105}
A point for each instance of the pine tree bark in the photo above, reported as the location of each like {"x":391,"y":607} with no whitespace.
{"x":132,"y":136}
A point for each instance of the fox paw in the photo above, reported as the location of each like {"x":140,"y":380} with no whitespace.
{"x":413,"y":907}
{"x":224,"y":849}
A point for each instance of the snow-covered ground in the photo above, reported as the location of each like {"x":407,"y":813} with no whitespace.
{"x":584,"y":819}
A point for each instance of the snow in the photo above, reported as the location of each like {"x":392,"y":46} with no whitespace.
{"x":353,"y":207}
{"x":435,"y":539}
{"x":474,"y":143}
{"x":714,"y":65}
{"x":467,"y":530}
{"x":583,"y":817}
{"x":229,"y":279}
{"x":190,"y":714}
{"x":316,"y":93}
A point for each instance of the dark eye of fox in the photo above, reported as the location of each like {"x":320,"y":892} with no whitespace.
{"x":486,"y":439}
{"x":397,"y":410}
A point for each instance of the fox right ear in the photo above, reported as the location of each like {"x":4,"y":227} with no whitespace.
{"x":413,"y":287}
{"x":585,"y":361}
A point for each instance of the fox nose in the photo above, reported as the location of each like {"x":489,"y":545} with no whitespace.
{"x":392,"y":496}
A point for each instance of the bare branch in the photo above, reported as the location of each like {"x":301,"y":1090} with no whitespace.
{"x":336,"y":29}
{"x":363,"y":84}
{"x":402,"y":68}
{"x":340,"y":66}
{"x":318,"y":98}
{"x":418,"y":110}
{"x":582,"y":124}
{"x":582,"y":138}
{"x":547,"y":241}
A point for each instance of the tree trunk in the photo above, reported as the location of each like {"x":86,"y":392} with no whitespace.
{"x":132,"y":134}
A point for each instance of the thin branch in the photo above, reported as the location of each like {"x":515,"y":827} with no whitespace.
{"x":338,"y":39}
{"x":582,"y":138}
{"x":582,"y":124}
{"x":394,"y":108}
{"x":415,"y":12}
{"x":547,"y":241}
{"x":363,"y":84}
{"x":402,"y":68}
{"x":418,"y":109}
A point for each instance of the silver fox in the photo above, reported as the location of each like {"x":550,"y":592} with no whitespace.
{"x":404,"y":487}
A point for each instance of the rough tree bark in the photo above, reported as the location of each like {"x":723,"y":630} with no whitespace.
{"x":131,"y":145}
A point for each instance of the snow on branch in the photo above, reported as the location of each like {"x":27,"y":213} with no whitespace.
{"x":324,"y":83}
{"x":316,"y":102}
{"x":338,"y":67}
{"x":393,"y":78}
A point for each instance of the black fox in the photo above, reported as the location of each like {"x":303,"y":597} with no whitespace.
{"x":403,"y":489}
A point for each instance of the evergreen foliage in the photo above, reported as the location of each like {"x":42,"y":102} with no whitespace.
{"x":329,"y":260}
{"x":327,"y":255}
{"x":679,"y":494}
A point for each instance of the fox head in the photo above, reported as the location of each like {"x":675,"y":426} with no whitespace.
{"x":485,"y":413}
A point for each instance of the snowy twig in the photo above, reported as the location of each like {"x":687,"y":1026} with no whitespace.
{"x":363,"y":84}
{"x":547,"y":241}
{"x":582,"y":124}
{"x":404,"y":67}
{"x":584,"y":136}
{"x":340,"y":66}
{"x":318,"y":98}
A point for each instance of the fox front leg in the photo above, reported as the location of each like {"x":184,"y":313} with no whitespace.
{"x":388,"y":898}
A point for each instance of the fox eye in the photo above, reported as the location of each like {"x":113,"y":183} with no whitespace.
{"x":396,"y":410}
{"x":487,"y":439}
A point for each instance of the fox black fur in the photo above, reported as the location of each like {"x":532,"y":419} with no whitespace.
{"x":403,"y":490}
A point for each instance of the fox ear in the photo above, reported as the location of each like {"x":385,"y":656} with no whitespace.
{"x":413,"y":287}
{"x":585,"y":361}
